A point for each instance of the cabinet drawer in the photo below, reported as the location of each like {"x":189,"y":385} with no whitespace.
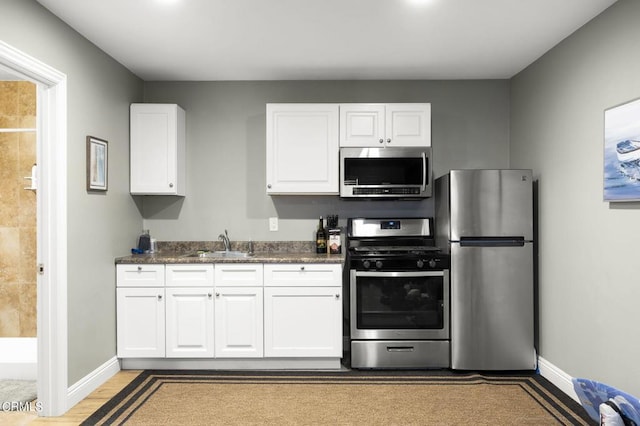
{"x":303,"y":274}
{"x":238,"y":274}
{"x":131,"y":275}
{"x":189,"y":275}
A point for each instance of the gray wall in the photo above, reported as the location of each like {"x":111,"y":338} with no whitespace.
{"x":589,"y":285}
{"x":226,"y":186}
{"x":100,"y":226}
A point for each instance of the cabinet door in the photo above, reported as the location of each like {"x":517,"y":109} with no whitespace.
{"x":408,"y":125}
{"x":303,"y":322}
{"x":157,"y":149}
{"x":238,"y":322}
{"x":362,"y":125}
{"x":140,"y":322}
{"x":189,"y":322}
{"x":302,"y":149}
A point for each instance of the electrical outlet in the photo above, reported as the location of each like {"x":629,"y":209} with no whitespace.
{"x":273,"y":224}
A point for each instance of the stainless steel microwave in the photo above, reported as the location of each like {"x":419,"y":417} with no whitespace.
{"x":385,"y":172}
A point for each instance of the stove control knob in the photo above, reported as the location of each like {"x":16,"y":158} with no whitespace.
{"x":419,"y":263}
{"x":432,"y":263}
{"x":366,"y":264}
{"x":378,"y":264}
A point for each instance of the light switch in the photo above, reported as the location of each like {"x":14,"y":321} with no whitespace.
{"x":273,"y":224}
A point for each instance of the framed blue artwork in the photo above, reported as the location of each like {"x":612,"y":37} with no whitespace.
{"x":97,"y":164}
{"x":622,"y":152}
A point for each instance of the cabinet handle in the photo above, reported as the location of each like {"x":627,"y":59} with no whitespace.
{"x":210,"y":295}
{"x":159,"y":297}
{"x":337,"y":296}
{"x":170,"y":185}
{"x":302,"y":268}
{"x":381,"y":140}
{"x":389,"y":140}
{"x":139,"y":268}
{"x":217,"y":294}
{"x":269,"y":186}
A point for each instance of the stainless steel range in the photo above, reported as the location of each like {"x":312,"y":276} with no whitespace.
{"x":399,"y":294}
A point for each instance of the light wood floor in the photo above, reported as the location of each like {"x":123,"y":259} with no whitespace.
{"x":78,"y":413}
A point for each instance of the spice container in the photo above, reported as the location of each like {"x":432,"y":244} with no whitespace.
{"x":335,"y":239}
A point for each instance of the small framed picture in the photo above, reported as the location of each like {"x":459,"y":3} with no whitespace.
{"x":622,"y":152}
{"x":97,"y":164}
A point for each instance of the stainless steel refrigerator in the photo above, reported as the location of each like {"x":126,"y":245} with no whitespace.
{"x":484,"y":219}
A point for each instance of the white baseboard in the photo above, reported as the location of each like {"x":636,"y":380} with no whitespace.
{"x":92,"y":381}
{"x":559,"y":378}
{"x":231,"y":364}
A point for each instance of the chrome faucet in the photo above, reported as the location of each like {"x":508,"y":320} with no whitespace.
{"x":225,"y":239}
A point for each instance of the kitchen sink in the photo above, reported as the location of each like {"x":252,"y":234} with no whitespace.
{"x":219,"y":254}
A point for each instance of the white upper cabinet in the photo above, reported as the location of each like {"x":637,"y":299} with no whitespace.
{"x":362,"y":125}
{"x":157,"y":149}
{"x":382,"y":125}
{"x":302,"y":149}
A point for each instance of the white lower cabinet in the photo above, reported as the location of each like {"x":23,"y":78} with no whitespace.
{"x":140,"y":326}
{"x":303,"y":310}
{"x":238,"y":322}
{"x":189,"y":310}
{"x":303,"y":322}
{"x":189,"y":322}
{"x":238,"y":317}
{"x":230,"y":310}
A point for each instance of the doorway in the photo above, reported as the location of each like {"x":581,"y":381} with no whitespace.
{"x":51,"y":229}
{"x":18,"y":229}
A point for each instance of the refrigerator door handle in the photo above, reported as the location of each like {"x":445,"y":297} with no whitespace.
{"x":492,"y":241}
{"x":424,"y":171}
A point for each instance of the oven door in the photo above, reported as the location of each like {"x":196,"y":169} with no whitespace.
{"x":399,"y":305}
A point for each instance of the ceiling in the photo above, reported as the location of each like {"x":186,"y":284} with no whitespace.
{"x":205,"y":40}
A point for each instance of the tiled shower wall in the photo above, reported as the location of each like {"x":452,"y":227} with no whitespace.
{"x":17,"y":210}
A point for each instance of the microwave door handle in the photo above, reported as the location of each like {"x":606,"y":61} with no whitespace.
{"x":424,"y":171}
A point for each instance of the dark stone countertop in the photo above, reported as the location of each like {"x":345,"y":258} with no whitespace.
{"x":264,"y":252}
{"x":258,"y":257}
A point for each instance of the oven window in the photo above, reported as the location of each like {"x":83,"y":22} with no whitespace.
{"x":384,"y":171}
{"x":392,"y":303}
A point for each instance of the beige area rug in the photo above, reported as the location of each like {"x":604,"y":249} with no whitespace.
{"x":338,"y":398}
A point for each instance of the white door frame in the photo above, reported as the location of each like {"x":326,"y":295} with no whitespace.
{"x":51,"y":154}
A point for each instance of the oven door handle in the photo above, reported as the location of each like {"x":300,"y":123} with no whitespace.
{"x":397,"y":274}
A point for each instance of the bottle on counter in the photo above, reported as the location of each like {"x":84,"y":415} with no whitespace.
{"x":321,"y":238}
